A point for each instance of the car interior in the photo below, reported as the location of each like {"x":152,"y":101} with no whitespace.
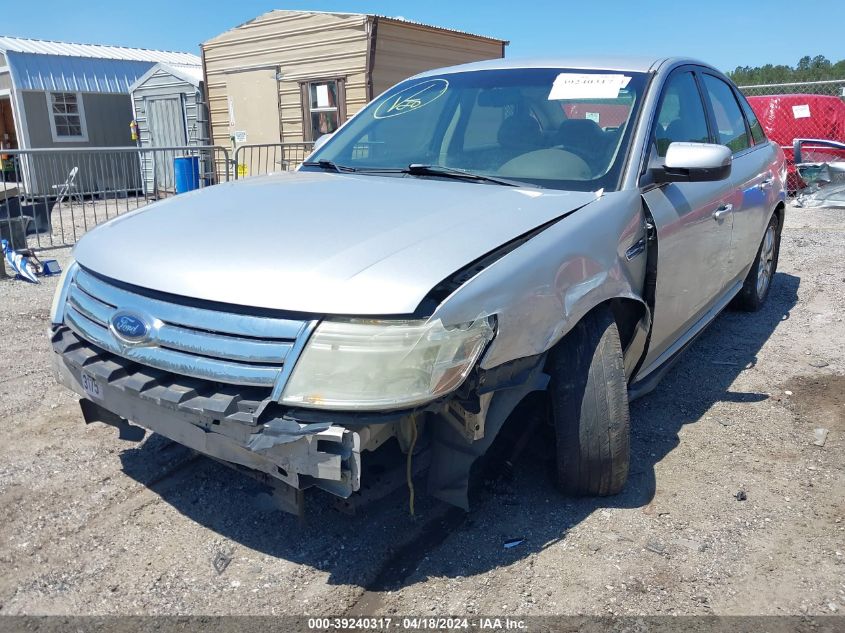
{"x":537,"y":139}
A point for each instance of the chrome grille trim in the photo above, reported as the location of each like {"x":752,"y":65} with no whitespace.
{"x":198,"y":318}
{"x":169,"y":360}
{"x":212,"y":345}
{"x":229,"y":347}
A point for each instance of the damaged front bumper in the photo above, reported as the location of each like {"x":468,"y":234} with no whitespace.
{"x":217,"y":423}
{"x":297,"y":449}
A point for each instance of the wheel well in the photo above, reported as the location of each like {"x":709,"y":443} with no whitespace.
{"x":627,"y":313}
{"x":780,"y":210}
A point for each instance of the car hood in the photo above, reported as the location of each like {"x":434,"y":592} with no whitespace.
{"x":317,"y":242}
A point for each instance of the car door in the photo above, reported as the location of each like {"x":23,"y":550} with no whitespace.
{"x":693,"y":221}
{"x":751,"y":171}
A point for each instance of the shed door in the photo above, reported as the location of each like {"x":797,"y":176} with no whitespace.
{"x":166,"y":120}
{"x":254,"y":106}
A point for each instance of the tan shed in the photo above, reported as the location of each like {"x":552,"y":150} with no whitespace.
{"x":290,"y":76}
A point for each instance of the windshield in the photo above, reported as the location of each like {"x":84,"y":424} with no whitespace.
{"x":557,"y":128}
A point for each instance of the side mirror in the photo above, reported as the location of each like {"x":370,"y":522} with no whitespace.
{"x":694,"y":162}
{"x":322,"y":140}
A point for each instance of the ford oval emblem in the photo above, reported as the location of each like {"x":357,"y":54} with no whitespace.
{"x":130,"y":327}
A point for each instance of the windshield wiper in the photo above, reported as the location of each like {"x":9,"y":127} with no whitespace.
{"x":328,"y":165}
{"x":416,"y":169}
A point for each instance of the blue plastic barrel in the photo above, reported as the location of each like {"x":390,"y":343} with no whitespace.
{"x":186,"y":170}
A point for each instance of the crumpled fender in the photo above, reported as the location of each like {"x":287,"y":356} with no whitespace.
{"x":540,"y":290}
{"x":538,"y":293}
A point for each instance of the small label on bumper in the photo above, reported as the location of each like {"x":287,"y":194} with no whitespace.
{"x":91,"y":386}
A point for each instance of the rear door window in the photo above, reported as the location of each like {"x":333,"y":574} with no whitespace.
{"x":730,"y":124}
{"x":757,"y":133}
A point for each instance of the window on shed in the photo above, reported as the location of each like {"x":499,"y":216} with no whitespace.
{"x":67,"y":116}
{"x":324,"y":107}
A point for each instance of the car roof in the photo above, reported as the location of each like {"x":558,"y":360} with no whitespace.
{"x":612,"y":63}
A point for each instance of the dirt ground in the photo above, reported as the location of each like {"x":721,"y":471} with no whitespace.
{"x":730,"y":508}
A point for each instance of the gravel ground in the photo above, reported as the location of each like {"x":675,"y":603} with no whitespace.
{"x":96,"y":525}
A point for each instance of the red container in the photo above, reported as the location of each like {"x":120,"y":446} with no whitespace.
{"x":788,"y":117}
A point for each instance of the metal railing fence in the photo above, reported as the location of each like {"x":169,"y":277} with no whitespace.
{"x":51,"y":197}
{"x":267,"y":158}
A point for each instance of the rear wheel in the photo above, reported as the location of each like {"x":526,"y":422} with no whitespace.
{"x":589,"y":399}
{"x":758,"y":282}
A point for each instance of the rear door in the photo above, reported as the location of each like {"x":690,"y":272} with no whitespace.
{"x":693,"y":221}
{"x":751,"y":171}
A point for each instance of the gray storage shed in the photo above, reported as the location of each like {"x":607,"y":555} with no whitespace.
{"x":65,"y":95}
{"x":170,"y":111}
{"x":169,"y":106}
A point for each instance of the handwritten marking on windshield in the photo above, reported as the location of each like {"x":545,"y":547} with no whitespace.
{"x":411,"y":98}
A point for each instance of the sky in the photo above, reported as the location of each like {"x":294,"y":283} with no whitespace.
{"x":725,"y":33}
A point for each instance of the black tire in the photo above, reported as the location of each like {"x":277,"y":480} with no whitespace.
{"x":589,"y":403}
{"x":751,"y":298}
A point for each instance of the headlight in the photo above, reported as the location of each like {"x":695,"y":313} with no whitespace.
{"x":57,"y":309}
{"x":379,"y":365}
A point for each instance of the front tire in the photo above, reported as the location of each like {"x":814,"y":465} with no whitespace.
{"x":589,"y":403}
{"x":758,"y":282}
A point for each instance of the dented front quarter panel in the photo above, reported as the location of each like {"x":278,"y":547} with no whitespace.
{"x":539,"y":291}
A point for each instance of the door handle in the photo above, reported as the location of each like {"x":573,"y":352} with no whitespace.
{"x":765,"y":184}
{"x":722,"y":212}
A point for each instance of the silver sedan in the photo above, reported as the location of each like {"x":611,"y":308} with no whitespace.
{"x":473,"y":235}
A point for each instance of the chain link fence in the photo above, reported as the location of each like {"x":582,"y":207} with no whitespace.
{"x":834,"y":88}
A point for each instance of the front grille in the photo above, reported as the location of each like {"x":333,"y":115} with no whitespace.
{"x":209,"y":344}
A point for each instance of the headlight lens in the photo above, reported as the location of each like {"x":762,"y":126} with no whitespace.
{"x":57,"y":308}
{"x":381,"y":365}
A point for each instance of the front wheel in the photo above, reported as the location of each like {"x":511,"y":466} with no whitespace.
{"x":589,"y":398}
{"x":758,"y":282}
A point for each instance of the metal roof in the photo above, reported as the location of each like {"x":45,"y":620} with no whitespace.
{"x":188,"y":73}
{"x":403,"y":20}
{"x":61,"y":66}
{"x":73,"y":74}
{"x":94,"y":51}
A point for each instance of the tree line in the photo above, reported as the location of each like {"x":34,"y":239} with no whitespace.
{"x":818,"y":68}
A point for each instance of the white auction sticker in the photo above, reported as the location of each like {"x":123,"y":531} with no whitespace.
{"x":322,"y":96}
{"x":587,"y":86}
{"x":801,"y":111}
